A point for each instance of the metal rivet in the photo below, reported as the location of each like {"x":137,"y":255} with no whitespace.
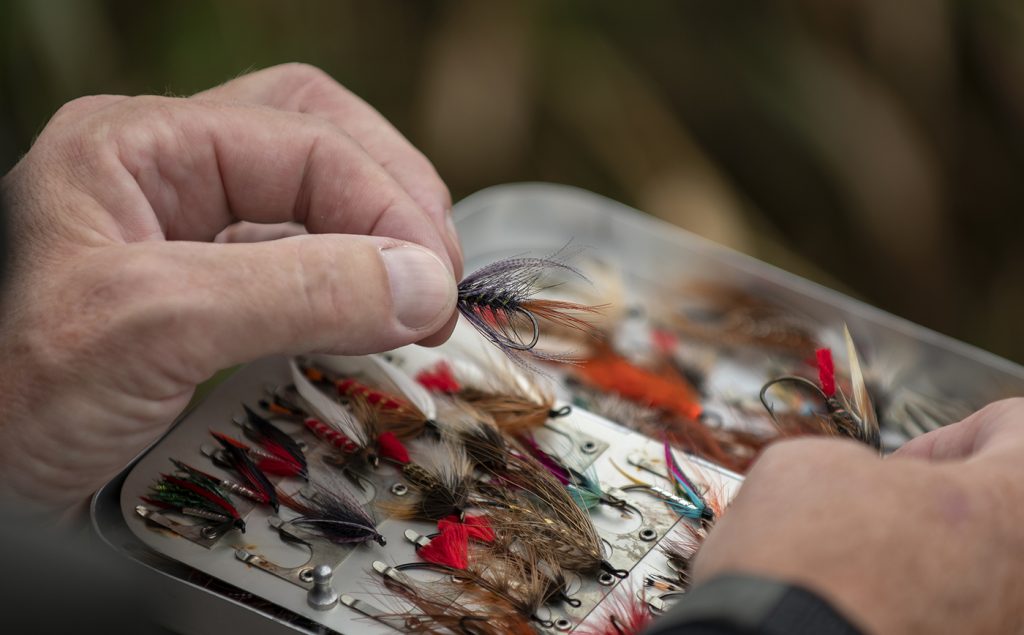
{"x":563,"y":624}
{"x":589,"y":447}
{"x":399,"y":489}
{"x":306,"y":575}
{"x":606,"y":579}
{"x":209,"y":533}
{"x":647,"y":534}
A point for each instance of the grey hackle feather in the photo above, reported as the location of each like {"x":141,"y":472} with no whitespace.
{"x":498,"y":300}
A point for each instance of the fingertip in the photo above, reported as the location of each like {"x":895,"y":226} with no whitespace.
{"x":441,"y":335}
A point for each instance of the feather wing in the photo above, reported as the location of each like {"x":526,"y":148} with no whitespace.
{"x":328,"y":410}
{"x":384,"y":375}
{"x":861,"y":399}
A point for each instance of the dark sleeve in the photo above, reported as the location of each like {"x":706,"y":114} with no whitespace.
{"x":748,"y":605}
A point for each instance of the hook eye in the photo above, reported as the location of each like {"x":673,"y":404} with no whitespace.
{"x":608,"y":568}
{"x":564,"y":411}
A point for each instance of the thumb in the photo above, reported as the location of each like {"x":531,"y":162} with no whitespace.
{"x":332,"y":293}
{"x":998,"y":427}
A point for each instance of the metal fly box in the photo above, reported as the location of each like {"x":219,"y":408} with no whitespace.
{"x":264,"y":583}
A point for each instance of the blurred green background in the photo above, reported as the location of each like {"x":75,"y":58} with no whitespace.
{"x":876,"y":146}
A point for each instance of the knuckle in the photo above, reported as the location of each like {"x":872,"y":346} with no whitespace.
{"x":89,"y":145}
{"x":302,"y":70}
{"x":145,"y":111}
{"x":72,"y":135}
{"x":308,"y":78}
{"x":83,"y":106}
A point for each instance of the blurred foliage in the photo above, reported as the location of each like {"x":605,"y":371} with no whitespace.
{"x":881,"y":141}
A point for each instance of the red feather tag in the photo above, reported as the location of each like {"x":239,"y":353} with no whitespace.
{"x":826,"y":372}
{"x":449,"y":548}
{"x":440,"y":379}
{"x":389,"y":447}
{"x":477,"y":527}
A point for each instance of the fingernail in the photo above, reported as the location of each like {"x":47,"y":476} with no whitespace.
{"x":422,"y":288}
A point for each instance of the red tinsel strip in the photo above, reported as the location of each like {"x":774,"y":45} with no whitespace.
{"x":351,"y":387}
{"x":330,"y":435}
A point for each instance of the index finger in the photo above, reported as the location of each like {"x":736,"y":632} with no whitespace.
{"x":306,"y":89}
{"x":995,"y":429}
{"x":199,"y":166}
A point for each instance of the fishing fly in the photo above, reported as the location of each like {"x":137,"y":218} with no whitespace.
{"x":526,"y":504}
{"x":333,"y":514}
{"x":499,"y":301}
{"x":228,"y":485}
{"x":405,"y":408}
{"x":196,"y":496}
{"x":515,"y":402}
{"x":585,"y":489}
{"x":854,"y":418}
{"x":355,"y":430}
{"x":235,"y":455}
{"x":274,"y":441}
{"x":441,"y":480}
{"x":623,"y":613}
{"x":431,"y":610}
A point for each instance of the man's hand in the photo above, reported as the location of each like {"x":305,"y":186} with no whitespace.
{"x":929,"y":540}
{"x":119,"y":303}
